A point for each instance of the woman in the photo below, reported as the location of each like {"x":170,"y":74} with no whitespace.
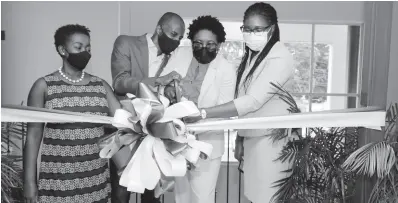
{"x":266,"y":60}
{"x":209,"y":80}
{"x":70,"y":169}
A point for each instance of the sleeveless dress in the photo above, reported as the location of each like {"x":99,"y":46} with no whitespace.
{"x":71,"y":169}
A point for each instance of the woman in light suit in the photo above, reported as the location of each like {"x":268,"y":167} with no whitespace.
{"x":266,"y":60}
{"x":209,"y":80}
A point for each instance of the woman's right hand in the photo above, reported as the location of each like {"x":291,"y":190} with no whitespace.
{"x":30,"y":192}
{"x":239,"y":149}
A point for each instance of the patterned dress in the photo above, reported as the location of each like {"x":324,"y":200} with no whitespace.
{"x":71,"y":169}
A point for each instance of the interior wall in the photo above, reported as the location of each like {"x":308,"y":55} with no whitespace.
{"x":295,"y":11}
{"x":392,"y":94}
{"x":28,"y":52}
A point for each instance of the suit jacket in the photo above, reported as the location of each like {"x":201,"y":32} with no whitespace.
{"x":218,"y":87}
{"x":261,"y":171}
{"x":129,"y":63}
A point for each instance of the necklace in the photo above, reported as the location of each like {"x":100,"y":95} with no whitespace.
{"x":70,"y":80}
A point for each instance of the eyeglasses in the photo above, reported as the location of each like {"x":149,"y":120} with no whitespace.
{"x":255,"y":31}
{"x":199,"y":45}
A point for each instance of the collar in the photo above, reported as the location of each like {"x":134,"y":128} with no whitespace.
{"x":150,"y":42}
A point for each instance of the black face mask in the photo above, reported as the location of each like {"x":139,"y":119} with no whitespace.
{"x":166,"y":44}
{"x":79,"y":60}
{"x":204,"y":56}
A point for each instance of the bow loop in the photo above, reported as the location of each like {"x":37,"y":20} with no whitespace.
{"x":165,"y":148}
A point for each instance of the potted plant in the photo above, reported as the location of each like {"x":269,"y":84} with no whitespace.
{"x":380,"y":160}
{"x":315,"y":159}
{"x":11,"y":170}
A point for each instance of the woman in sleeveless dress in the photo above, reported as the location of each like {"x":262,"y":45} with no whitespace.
{"x":70,"y":167}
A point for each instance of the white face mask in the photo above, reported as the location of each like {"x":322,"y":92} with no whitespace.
{"x":255,"y":42}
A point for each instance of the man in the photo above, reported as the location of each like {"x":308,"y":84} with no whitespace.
{"x":144,"y":59}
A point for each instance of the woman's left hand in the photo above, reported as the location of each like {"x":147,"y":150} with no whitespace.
{"x":192,"y":119}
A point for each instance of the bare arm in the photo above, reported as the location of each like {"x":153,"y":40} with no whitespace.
{"x":123,"y":81}
{"x":34,"y":136}
{"x":113,"y":102}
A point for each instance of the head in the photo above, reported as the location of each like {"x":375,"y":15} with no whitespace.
{"x":206,"y":34}
{"x":72,"y":43}
{"x":260,"y":32}
{"x":169,"y":32}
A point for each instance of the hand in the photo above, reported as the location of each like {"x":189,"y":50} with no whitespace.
{"x":165,"y":80}
{"x":170,"y":93}
{"x":239,"y":151}
{"x":192,"y":119}
{"x":30,"y":192}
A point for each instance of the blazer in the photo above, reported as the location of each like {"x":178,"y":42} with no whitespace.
{"x":129,"y":63}
{"x":260,"y":169}
{"x":218,"y":87}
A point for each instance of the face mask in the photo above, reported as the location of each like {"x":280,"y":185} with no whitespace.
{"x":79,"y":60}
{"x":255,"y":42}
{"x":204,"y":56}
{"x":166,"y":44}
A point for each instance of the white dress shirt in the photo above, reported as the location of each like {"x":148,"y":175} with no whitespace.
{"x":155,"y":60}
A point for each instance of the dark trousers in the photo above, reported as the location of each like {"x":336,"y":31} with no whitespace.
{"x":121,"y":195}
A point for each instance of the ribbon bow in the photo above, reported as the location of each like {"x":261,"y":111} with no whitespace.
{"x":162,"y":144}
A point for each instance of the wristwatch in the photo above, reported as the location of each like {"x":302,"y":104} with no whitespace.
{"x":203,"y":114}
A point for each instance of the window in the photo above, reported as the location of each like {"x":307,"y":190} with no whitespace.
{"x":326,"y":65}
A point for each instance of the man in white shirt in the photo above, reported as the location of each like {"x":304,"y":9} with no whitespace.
{"x":144,"y":59}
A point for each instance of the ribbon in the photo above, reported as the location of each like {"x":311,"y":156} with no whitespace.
{"x":165,"y":146}
{"x":153,"y":145}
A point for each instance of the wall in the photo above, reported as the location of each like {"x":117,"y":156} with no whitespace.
{"x":325,"y":12}
{"x":28,"y":51}
{"x":392,"y":94}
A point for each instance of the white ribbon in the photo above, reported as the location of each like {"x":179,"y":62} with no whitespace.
{"x":142,"y":171}
{"x":151,"y":158}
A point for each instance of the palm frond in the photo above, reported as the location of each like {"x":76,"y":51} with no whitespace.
{"x":288,"y":153}
{"x":373,"y":158}
{"x":11,"y":172}
{"x":280,"y":134}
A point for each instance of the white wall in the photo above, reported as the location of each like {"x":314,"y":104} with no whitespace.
{"x":392,"y":95}
{"x":337,"y":12}
{"x":28,"y":51}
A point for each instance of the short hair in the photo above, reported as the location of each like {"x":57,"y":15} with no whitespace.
{"x":168,"y":16}
{"x":207,"y":23}
{"x":63,"y":33}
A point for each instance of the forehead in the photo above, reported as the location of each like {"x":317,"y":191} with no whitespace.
{"x":175,"y":25}
{"x":205,"y":35}
{"x":78,"y":38}
{"x":256,"y":21}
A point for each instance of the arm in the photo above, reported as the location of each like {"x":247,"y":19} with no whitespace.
{"x":113,"y":102}
{"x":36,"y":98}
{"x":123,"y":81}
{"x":258,"y":92}
{"x":227,"y":108}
